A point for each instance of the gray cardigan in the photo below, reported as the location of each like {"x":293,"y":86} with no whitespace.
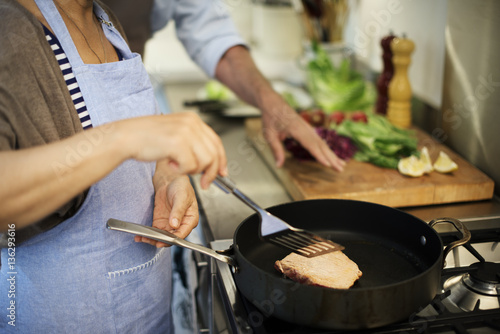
{"x":35,"y":105}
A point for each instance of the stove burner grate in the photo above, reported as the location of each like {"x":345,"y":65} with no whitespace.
{"x":477,"y":289}
{"x":486,"y":272}
{"x":435,"y":318}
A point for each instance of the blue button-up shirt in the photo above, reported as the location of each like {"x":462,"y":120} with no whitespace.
{"x":204,"y":27}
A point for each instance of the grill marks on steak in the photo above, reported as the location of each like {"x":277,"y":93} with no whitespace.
{"x":331,"y":270}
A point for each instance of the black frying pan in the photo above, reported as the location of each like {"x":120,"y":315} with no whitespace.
{"x":401,"y":258}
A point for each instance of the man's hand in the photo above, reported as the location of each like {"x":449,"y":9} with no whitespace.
{"x":237,"y":71}
{"x":176,"y":209}
{"x":279,"y":121}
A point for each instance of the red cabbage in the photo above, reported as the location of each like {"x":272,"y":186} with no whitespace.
{"x":342,"y":146}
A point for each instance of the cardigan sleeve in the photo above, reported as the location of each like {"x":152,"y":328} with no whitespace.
{"x":35,"y":105}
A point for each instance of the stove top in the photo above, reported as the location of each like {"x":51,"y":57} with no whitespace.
{"x":442,"y":315}
{"x":477,"y":289}
{"x":468,"y":303}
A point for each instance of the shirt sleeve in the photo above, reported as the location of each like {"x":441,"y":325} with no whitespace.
{"x":206,"y":30}
{"x":160,"y":15}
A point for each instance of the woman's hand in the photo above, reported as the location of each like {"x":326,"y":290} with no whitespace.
{"x":188,"y":144}
{"x":176,"y":209}
{"x":43,"y":178}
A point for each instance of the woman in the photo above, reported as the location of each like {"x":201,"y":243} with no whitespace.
{"x":79,"y":138}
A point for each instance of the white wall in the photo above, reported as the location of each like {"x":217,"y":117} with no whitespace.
{"x":422,"y":21}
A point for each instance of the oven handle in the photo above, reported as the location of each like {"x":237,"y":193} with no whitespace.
{"x":459,"y":226}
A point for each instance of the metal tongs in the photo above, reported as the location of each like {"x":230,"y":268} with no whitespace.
{"x":278,"y":232}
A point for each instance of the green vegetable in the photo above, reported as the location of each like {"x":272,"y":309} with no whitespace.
{"x":337,"y":88}
{"x":379,"y":142}
{"x":217,"y":91}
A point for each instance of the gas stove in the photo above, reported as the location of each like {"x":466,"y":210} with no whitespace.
{"x":476,"y":289}
{"x":469,"y":301}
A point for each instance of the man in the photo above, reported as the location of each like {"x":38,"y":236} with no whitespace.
{"x":211,"y":40}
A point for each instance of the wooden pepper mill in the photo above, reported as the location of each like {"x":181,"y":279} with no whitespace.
{"x":399,"y":93}
{"x":385,"y":77}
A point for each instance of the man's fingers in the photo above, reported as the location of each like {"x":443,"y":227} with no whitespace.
{"x":325,"y":155}
{"x":276,"y":145}
{"x":278,"y":152}
{"x":319,"y":149}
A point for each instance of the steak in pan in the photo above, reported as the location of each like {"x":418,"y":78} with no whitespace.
{"x":331,"y":270}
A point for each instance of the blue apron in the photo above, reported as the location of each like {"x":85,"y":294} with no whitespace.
{"x":80,"y":277}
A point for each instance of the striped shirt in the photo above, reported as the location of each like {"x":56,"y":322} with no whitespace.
{"x":69,"y":77}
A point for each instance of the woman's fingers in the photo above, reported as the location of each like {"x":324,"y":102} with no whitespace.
{"x":218,"y":165}
{"x":188,"y":143}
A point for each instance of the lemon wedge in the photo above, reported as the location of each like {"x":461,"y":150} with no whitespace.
{"x":444,"y":164}
{"x":426,"y":159}
{"x":411,"y":166}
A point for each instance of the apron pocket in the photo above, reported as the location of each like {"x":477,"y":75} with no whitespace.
{"x":147,"y":284}
{"x":123,"y":272}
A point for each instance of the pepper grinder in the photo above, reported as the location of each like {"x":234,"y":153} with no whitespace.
{"x":399,"y":92}
{"x":385,"y":77}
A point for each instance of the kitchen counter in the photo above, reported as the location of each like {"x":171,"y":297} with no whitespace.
{"x":246,"y":167}
{"x":223,"y":212}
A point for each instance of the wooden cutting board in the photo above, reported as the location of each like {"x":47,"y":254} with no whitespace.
{"x":367,"y":182}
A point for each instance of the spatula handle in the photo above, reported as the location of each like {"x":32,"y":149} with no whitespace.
{"x":228,"y":186}
{"x":164,"y":236}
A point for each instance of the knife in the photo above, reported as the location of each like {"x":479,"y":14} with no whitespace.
{"x":225,"y":108}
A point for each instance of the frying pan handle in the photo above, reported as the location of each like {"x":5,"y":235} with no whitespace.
{"x":460,"y":227}
{"x":164,"y":236}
